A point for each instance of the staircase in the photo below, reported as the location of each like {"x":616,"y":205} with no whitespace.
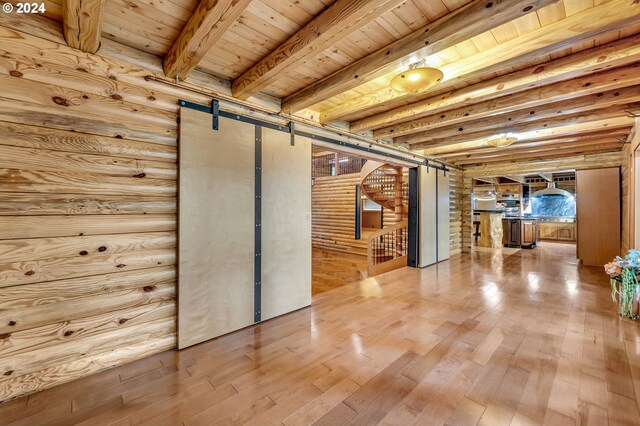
{"x":384,"y":184}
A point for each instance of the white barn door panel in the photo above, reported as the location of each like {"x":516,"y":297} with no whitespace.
{"x":244,"y":225}
{"x":216,"y":220}
{"x":286,"y":223}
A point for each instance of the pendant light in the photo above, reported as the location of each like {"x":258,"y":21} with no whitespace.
{"x":502,"y":141}
{"x":417,"y":79}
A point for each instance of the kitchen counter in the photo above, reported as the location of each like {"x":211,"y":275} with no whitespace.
{"x":520,"y":232}
{"x":490,"y":228}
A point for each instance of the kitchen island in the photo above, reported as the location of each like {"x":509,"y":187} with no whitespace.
{"x":520,"y":232}
{"x":491,"y":233}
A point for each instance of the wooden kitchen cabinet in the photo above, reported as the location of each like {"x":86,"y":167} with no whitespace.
{"x":520,"y":233}
{"x":566,"y":232}
{"x":557,"y":231}
{"x":528,"y":233}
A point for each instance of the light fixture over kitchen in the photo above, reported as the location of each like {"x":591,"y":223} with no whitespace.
{"x":417,"y":79}
{"x":502,"y":141}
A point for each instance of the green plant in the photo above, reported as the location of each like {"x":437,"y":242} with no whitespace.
{"x":624,"y":282}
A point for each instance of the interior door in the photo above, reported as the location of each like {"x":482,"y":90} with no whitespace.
{"x":216,"y":221}
{"x":245,"y":225}
{"x":286,"y":223}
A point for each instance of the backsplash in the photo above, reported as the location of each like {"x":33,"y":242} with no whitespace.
{"x":546,"y":205}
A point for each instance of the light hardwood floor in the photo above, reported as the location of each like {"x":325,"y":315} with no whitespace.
{"x":333,"y":269}
{"x":523,"y":337}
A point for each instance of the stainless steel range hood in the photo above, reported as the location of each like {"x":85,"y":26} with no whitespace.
{"x":552,"y":191}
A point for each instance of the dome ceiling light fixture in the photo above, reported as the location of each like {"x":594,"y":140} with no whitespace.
{"x":417,"y":79}
{"x":502,"y":141}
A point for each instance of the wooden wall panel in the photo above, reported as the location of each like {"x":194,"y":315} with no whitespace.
{"x":88,"y":201}
{"x":286,"y":223}
{"x":217,"y":220}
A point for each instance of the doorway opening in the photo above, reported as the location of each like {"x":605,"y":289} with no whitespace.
{"x":354,"y":200}
{"x":528,"y":211}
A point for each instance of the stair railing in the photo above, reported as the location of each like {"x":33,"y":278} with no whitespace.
{"x":387,"y":249}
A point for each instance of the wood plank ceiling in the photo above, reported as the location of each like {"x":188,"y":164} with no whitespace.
{"x":560,"y":75}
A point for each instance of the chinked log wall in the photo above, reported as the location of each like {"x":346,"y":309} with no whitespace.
{"x":333,"y":214}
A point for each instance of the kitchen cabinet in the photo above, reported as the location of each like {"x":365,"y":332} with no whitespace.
{"x":558,"y":231}
{"x":529,"y":232}
{"x":520,"y":232}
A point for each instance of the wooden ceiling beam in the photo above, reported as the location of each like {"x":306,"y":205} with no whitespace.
{"x":558,"y":149}
{"x":207,"y":25}
{"x":515,"y":178}
{"x":546,"y":176}
{"x":469,"y":21}
{"x":621,"y":98}
{"x":489,"y":179}
{"x":452,"y":157}
{"x":622,"y":52}
{"x":502,"y":126}
{"x":339,"y":20}
{"x":558,"y":153}
{"x":82,"y":23}
{"x":549,"y":39}
{"x":581,"y":93}
{"x":587,"y":161}
{"x":567,"y":130}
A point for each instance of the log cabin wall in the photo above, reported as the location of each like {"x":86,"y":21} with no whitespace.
{"x":87,"y":214}
{"x":333,"y":214}
{"x":88,"y":209}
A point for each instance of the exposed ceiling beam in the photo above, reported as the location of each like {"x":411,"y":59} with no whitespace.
{"x":557,"y":151}
{"x":609,"y":137}
{"x":467,"y":22}
{"x":82,"y":23}
{"x":335,"y":23}
{"x":207,"y":24}
{"x":515,"y":178}
{"x":497,"y":130}
{"x":549,"y":39}
{"x":544,"y":156}
{"x":489,"y":179}
{"x":618,"y":98}
{"x":546,"y":176}
{"x":546,"y":165}
{"x":569,"y":130}
{"x":579,"y":94}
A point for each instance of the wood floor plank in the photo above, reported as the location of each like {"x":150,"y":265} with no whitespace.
{"x":526,"y":337}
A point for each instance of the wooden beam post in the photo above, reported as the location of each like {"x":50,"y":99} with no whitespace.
{"x":336,"y":22}
{"x":82,"y":23}
{"x":209,"y":22}
{"x":467,"y":22}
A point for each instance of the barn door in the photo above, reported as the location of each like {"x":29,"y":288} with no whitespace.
{"x":245,"y":224}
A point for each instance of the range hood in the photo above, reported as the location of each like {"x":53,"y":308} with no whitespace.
{"x":552,"y":191}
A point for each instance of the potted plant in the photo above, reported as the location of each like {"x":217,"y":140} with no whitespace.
{"x":624,"y":282}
